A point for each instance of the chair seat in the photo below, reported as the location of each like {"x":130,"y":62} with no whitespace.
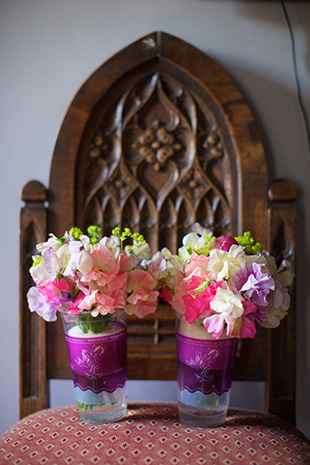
{"x":152,"y":434}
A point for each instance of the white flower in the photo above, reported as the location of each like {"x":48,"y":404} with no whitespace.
{"x":274,"y":317}
{"x":157,"y":266}
{"x":227,"y":304}
{"x":223,"y":264}
{"x":51,"y":242}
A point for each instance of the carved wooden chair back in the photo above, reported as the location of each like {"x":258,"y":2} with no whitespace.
{"x":158,"y":138}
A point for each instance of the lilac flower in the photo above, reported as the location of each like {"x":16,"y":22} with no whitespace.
{"x":255,"y":283}
{"x":38,"y":304}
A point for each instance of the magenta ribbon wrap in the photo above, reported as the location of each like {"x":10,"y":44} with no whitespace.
{"x":205,"y":365}
{"x":98,"y":363}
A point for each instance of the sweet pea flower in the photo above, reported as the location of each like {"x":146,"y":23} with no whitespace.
{"x":106,"y":259}
{"x":225,"y":242}
{"x":177,"y":300}
{"x":244,"y":327}
{"x":157,"y":266}
{"x":175,"y":269}
{"x":197,"y":266}
{"x":199,"y":298}
{"x":46,"y":270}
{"x":274,"y":317}
{"x":165,"y":293}
{"x":40,"y":275}
{"x":79,"y":259}
{"x":142,"y":250}
{"x":254,"y":283}
{"x":106,"y":274}
{"x":228,"y":283}
{"x":227,"y":307}
{"x":82,"y":273}
{"x":104,"y":282}
{"x":223,"y":264}
{"x":45,"y":300}
{"x":98,"y":303}
{"x":38,"y":304}
{"x":142,"y":298}
{"x":74,"y":307}
{"x":53,"y":242}
{"x":284,"y":274}
{"x":196,"y":239}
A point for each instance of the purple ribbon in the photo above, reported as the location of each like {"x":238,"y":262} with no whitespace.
{"x":205,"y":365}
{"x":98,"y":363}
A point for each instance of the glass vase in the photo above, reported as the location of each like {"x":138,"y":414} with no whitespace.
{"x":98,"y":360}
{"x":204,"y":380}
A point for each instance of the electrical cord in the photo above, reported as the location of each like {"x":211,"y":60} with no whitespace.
{"x":296,"y":73}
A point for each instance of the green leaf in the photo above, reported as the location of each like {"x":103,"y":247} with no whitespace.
{"x":83,"y":323}
{"x":95,"y":324}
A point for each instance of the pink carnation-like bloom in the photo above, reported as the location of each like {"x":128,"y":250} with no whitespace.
{"x":199,"y":306}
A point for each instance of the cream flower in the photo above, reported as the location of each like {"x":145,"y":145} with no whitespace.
{"x":223,"y":264}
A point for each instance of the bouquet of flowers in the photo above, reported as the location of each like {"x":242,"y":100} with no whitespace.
{"x":226,"y":284}
{"x":79,"y":272}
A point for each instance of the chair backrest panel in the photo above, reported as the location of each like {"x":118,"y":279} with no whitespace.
{"x":158,"y":138}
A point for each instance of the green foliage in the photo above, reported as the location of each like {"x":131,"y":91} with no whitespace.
{"x":247,"y":242}
{"x":88,"y":322}
{"x":76,"y":232}
{"x":137,"y":238}
{"x":94,"y":233}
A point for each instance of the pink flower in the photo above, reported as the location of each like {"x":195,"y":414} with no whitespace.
{"x":106,"y":282}
{"x":199,"y":306}
{"x":46,"y":300}
{"x":165,"y":293}
{"x":241,"y":326}
{"x":55,"y":289}
{"x":76,"y":273}
{"x":103,"y":303}
{"x":104,"y":259}
{"x":38,"y":304}
{"x":197,"y":266}
{"x":141,"y":303}
{"x":177,"y":301}
{"x":225,"y":242}
{"x":142,"y":298}
{"x":244,"y":326}
{"x":214,"y":324}
{"x":74,"y":307}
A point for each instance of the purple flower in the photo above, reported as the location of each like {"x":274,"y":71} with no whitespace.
{"x":254,"y":283}
{"x":38,"y":304}
{"x":44,"y":306}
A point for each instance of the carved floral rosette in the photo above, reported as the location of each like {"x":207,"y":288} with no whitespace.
{"x":156,"y":157}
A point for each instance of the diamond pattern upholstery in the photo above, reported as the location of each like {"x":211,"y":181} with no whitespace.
{"x":152,"y":434}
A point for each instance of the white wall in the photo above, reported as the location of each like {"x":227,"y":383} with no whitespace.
{"x":48,"y":48}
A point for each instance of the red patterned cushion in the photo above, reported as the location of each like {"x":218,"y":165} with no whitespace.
{"x":152,"y":434}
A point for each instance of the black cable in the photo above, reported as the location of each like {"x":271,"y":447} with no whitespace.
{"x":296,"y":74}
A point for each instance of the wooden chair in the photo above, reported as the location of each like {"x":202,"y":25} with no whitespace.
{"x":159,"y":137}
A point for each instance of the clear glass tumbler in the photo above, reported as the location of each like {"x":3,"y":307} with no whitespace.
{"x":98,"y":360}
{"x":205,"y":368}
